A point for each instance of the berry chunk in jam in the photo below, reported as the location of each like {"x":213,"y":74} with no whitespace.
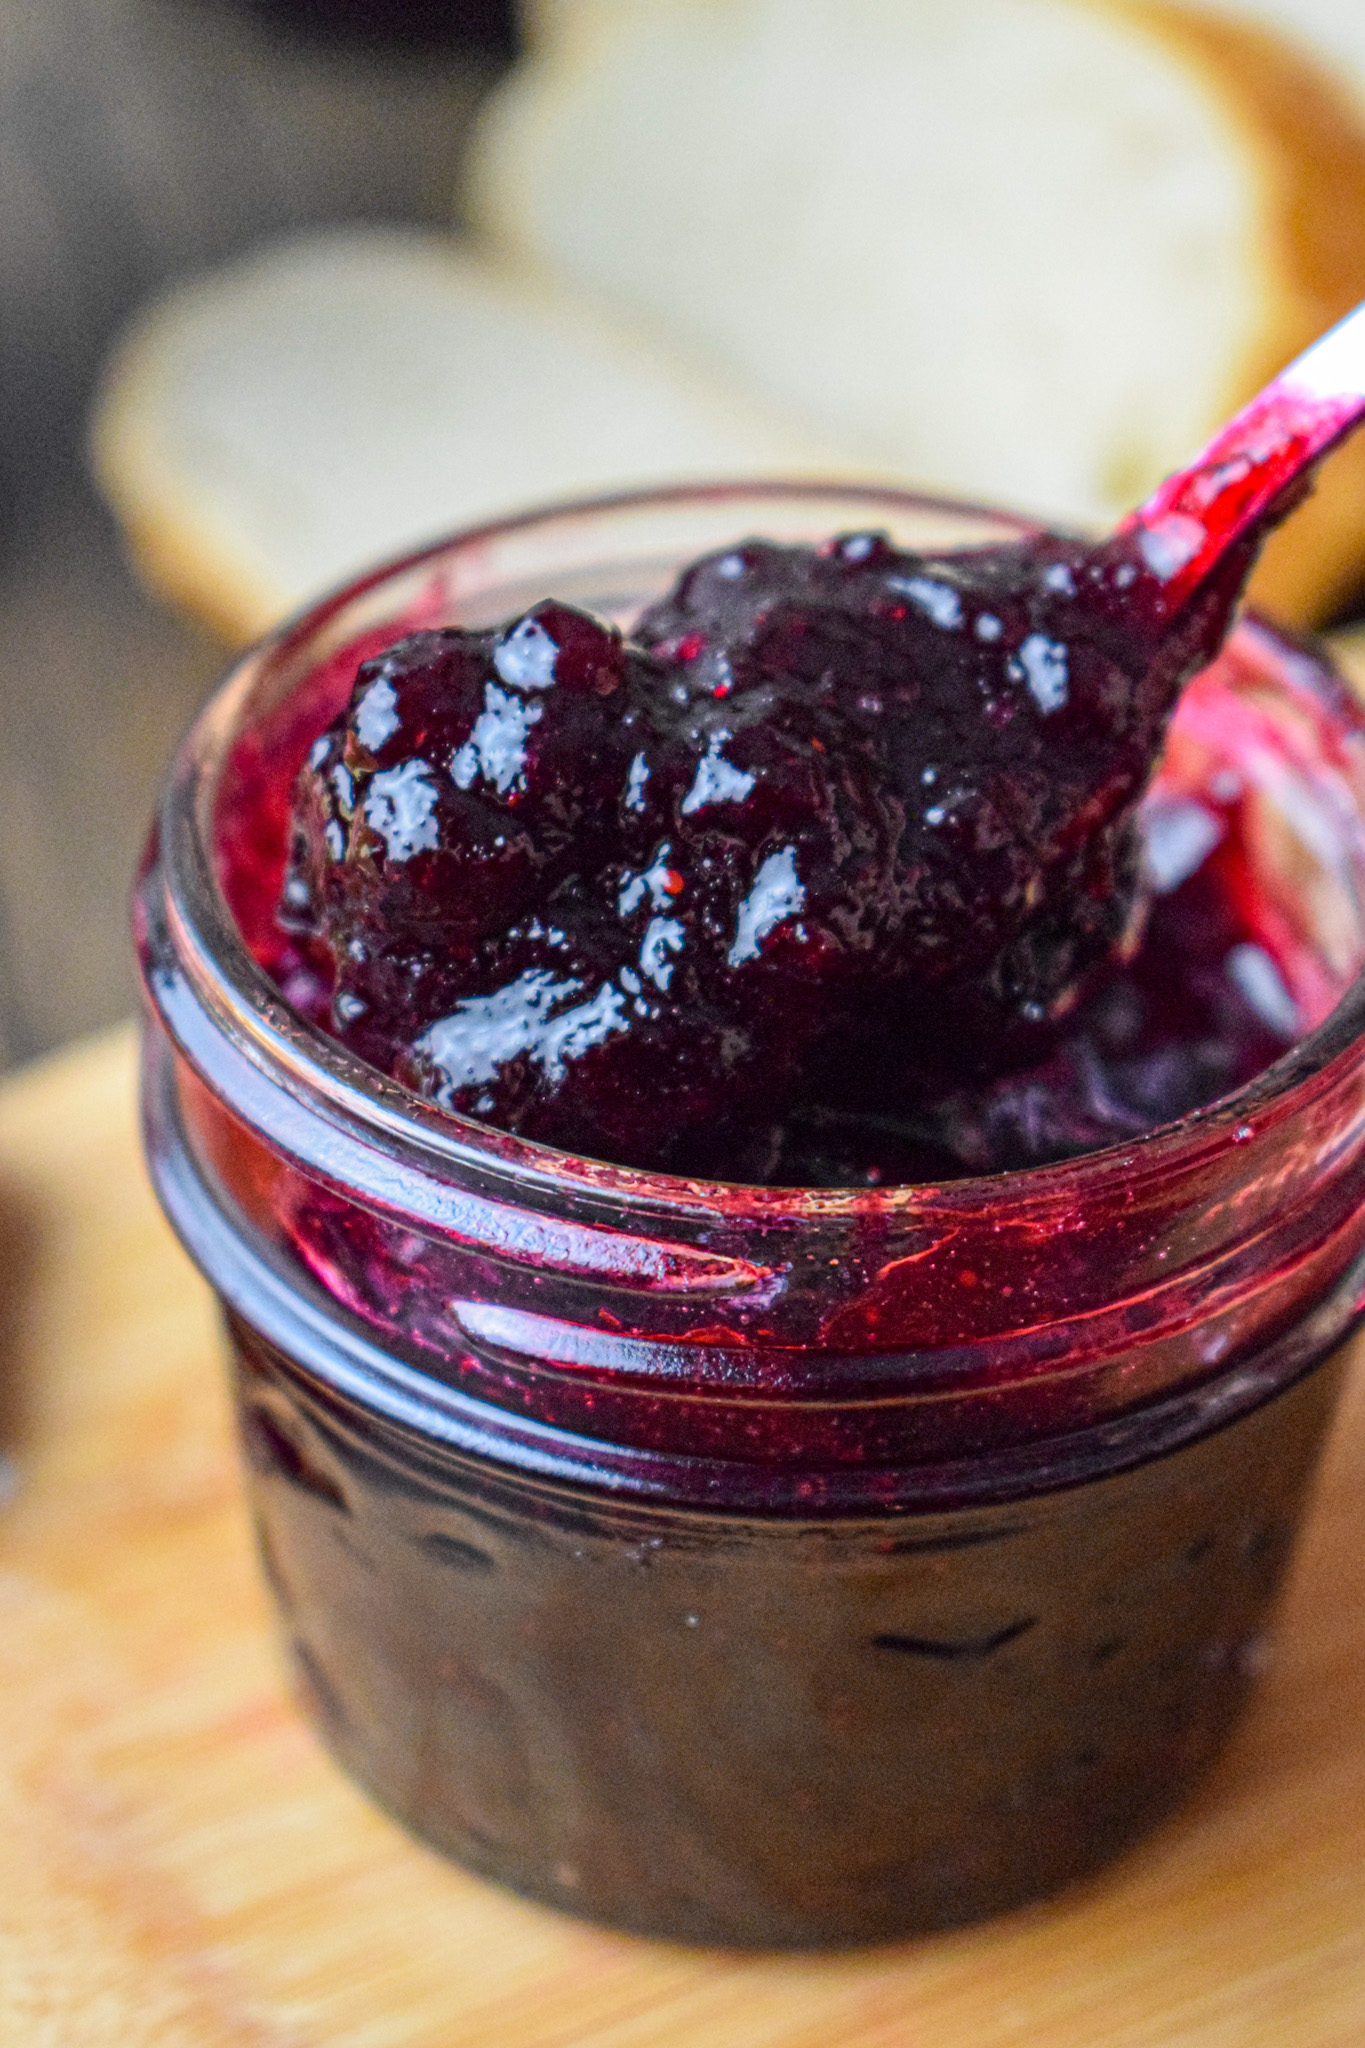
{"x":836,"y":832}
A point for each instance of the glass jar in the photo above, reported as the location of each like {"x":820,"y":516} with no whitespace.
{"x":733,"y":1563}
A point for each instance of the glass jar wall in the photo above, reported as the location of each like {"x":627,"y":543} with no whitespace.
{"x":749,"y":1564}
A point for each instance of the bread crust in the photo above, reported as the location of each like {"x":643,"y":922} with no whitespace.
{"x":174,"y":548}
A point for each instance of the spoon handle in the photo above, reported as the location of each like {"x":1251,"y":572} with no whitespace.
{"x":1254,"y":469}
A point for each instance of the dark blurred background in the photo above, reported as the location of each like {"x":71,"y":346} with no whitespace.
{"x":141,"y":140}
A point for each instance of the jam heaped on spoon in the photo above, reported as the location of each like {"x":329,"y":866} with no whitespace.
{"x":835,"y":835}
{"x":849,"y":809}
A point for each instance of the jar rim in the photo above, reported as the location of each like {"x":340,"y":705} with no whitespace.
{"x":247,"y":1006}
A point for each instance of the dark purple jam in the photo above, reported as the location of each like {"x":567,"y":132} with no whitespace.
{"x":832,"y":873}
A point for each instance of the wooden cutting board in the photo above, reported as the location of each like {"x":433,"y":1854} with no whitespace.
{"x":181,"y":1864}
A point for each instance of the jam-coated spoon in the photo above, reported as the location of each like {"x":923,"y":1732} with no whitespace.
{"x":1255,"y":468}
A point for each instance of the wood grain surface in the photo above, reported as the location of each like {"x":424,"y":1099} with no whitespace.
{"x":180,"y":1865}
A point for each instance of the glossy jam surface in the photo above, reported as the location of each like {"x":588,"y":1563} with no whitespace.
{"x":833,"y":873}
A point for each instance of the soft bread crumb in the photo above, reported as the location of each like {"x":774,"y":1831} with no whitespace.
{"x":1004,"y":244}
{"x":268,"y":430}
{"x":1031,"y":250}
{"x":329,"y":402}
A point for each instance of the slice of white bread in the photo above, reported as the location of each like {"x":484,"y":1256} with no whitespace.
{"x":307,"y":411}
{"x":1029,"y":250}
